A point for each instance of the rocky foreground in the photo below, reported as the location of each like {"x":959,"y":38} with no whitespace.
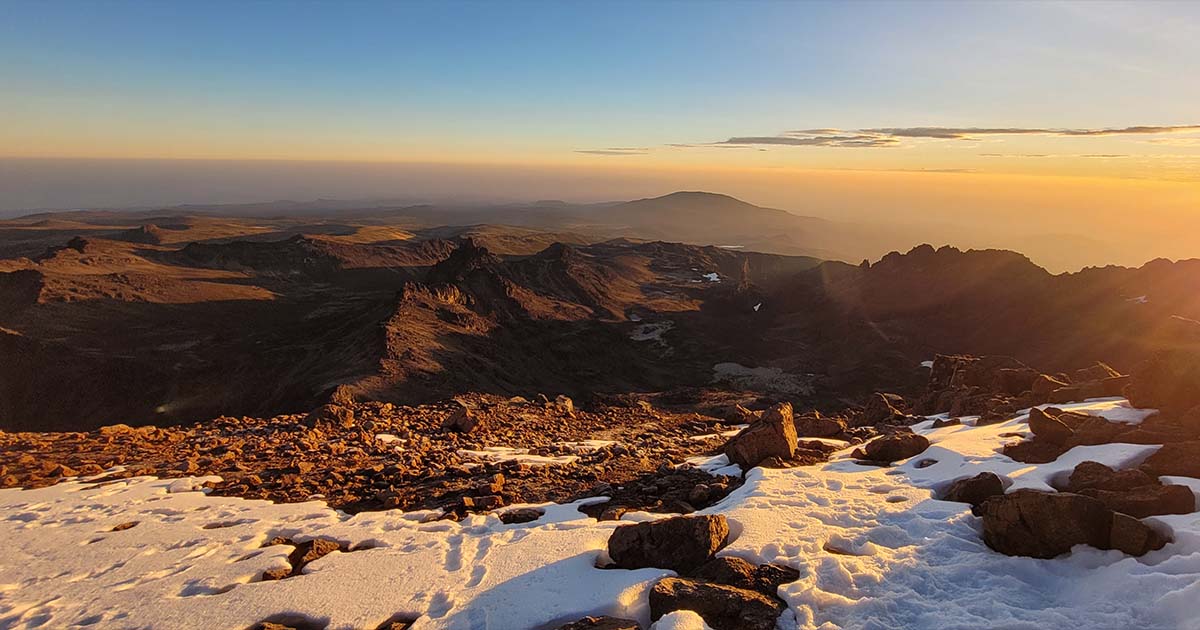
{"x":889,"y":513}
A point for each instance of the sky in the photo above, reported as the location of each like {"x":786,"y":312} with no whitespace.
{"x":838,"y":109}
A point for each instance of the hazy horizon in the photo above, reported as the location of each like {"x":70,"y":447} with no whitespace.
{"x":1018,"y":122}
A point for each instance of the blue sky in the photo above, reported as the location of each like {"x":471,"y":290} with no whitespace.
{"x":496,"y":81}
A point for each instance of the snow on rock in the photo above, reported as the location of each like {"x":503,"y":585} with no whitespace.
{"x":874,"y":547}
{"x":681,"y":620}
{"x":712,"y":277}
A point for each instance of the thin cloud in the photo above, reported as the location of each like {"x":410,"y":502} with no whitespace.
{"x":883,"y":137}
{"x":1055,"y":155}
{"x":616,"y":151}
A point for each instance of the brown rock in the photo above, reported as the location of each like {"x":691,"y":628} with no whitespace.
{"x":1169,"y":381}
{"x":462,"y":420}
{"x":1048,"y":427}
{"x":1097,"y":372}
{"x":602,"y":623}
{"x":1044,"y":384}
{"x":882,"y":407}
{"x":1180,"y":459}
{"x":1146,"y":500}
{"x":681,"y":544}
{"x":1044,"y":524}
{"x":311,"y":550}
{"x":1096,"y":475}
{"x":722,"y":607}
{"x":1048,"y":524}
{"x":774,"y":435}
{"x":813,"y":424}
{"x":732,"y":571}
{"x":895,"y":447}
{"x":521,"y":515}
{"x":1132,"y":536}
{"x":974,"y":490}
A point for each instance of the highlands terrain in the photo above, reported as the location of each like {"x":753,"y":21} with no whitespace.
{"x":364,"y":418}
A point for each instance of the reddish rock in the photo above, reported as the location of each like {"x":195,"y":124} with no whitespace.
{"x":1180,"y":459}
{"x":1048,"y":427}
{"x":1048,"y":524}
{"x":813,"y":424}
{"x":974,"y":490}
{"x":602,"y":623}
{"x":774,"y":435}
{"x":681,"y":544}
{"x":722,"y":607}
{"x":895,"y":447}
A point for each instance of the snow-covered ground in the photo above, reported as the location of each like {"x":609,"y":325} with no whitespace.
{"x":874,"y":548}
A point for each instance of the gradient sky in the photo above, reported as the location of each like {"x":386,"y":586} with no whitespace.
{"x":731,"y":89}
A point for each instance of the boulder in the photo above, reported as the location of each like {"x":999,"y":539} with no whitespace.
{"x":813,"y":424}
{"x":1180,"y":459}
{"x":732,"y":571}
{"x":1133,"y":537}
{"x":1049,"y":524}
{"x":1169,"y":381}
{"x":974,"y":490}
{"x":1048,"y":427}
{"x":681,"y":544}
{"x":774,"y":435}
{"x":722,"y":607}
{"x":602,"y":623}
{"x":461,"y":420}
{"x":1089,"y":475}
{"x":882,"y":407}
{"x":895,"y":447}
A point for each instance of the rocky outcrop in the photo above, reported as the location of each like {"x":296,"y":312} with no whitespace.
{"x":773,"y":435}
{"x":681,"y":544}
{"x":722,"y":607}
{"x":1049,"y":524}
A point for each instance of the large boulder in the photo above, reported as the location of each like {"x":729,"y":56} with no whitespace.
{"x":1049,"y":524}
{"x":974,"y":490}
{"x":1169,"y":381}
{"x":895,"y":447}
{"x":1049,"y":427}
{"x":681,"y":544}
{"x":1180,"y":459}
{"x":722,"y":607}
{"x":774,"y":435}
